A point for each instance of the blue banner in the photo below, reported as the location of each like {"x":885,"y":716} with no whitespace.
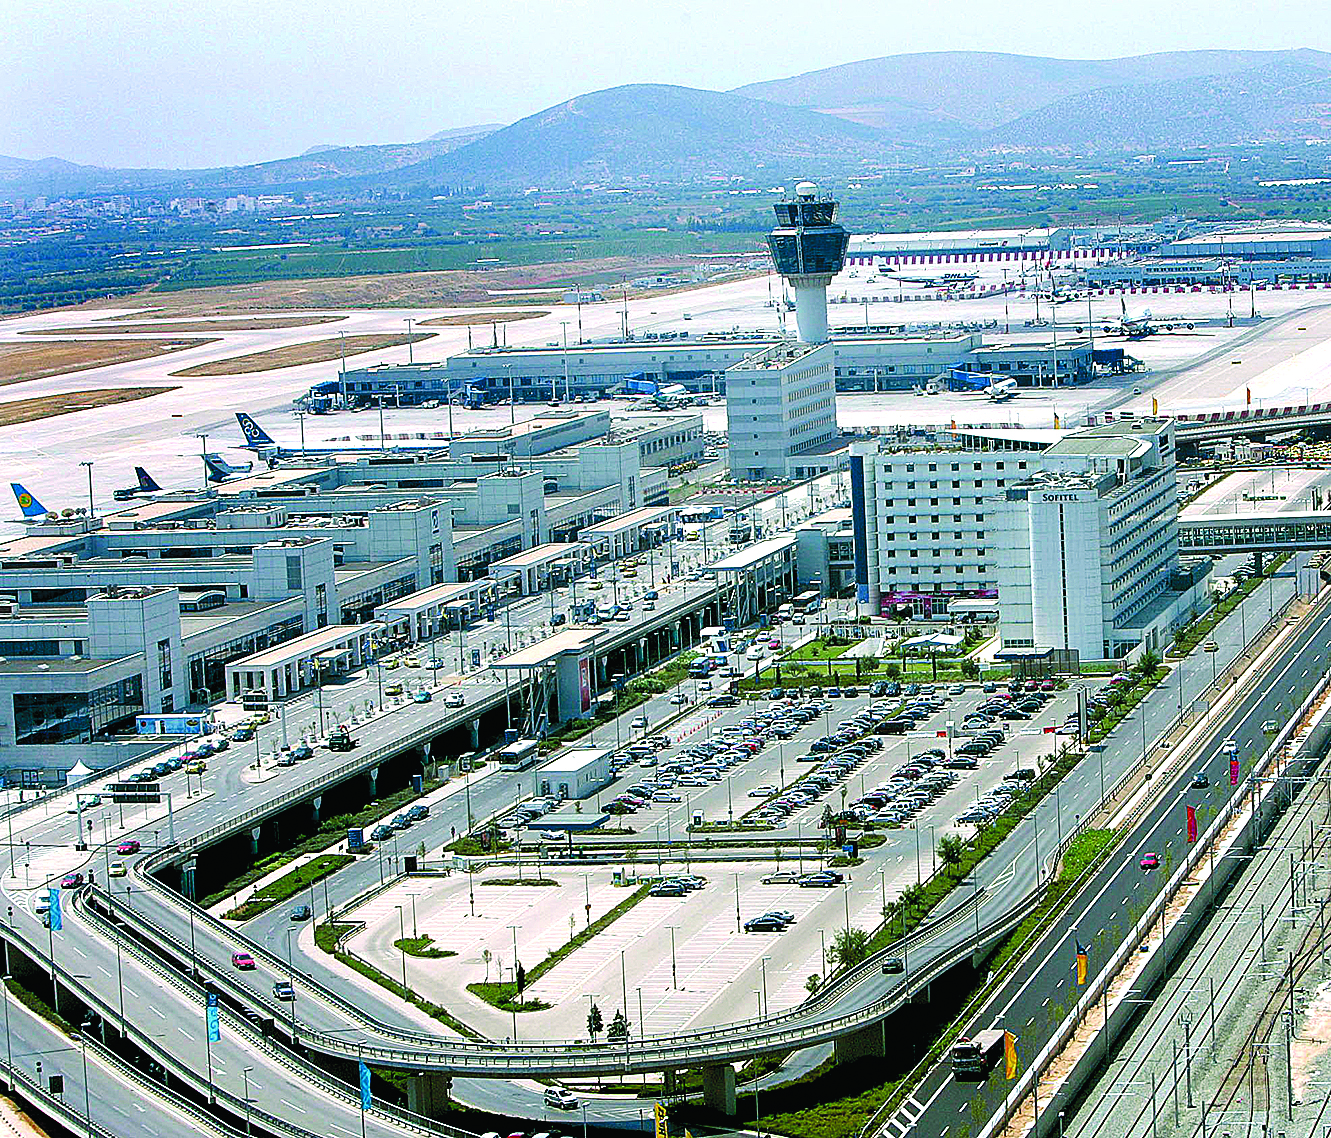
{"x":214,"y":1026}
{"x":54,"y":914}
{"x":365,"y":1100}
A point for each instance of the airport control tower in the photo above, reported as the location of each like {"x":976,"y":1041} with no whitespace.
{"x":809,"y":249}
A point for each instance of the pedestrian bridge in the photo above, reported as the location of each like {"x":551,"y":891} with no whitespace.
{"x":1255,"y":532}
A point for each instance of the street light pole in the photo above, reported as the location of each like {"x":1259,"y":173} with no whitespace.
{"x":88,"y":467}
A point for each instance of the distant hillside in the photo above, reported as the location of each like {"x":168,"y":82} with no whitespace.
{"x":988,"y":89}
{"x":1285,"y":99}
{"x":465,"y":133}
{"x":655,"y":131}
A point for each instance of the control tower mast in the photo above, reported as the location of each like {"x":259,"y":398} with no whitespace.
{"x":809,"y":249}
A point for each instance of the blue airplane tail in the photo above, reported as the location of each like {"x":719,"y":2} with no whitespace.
{"x":26,"y":502}
{"x":255,"y":435}
{"x":219,"y":469}
{"x":146,"y":480}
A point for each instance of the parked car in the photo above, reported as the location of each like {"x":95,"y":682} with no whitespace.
{"x":764,"y":924}
{"x":667,"y":889}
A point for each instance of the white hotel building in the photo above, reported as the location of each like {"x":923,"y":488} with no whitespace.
{"x":1076,"y":532}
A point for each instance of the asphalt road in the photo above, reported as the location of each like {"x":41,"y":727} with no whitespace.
{"x":1047,"y":972}
{"x":96,"y":957}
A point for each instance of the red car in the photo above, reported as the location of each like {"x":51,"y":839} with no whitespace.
{"x":242,"y":960}
{"x":1150,"y":861}
{"x":71,"y":881}
{"x":129,"y":846}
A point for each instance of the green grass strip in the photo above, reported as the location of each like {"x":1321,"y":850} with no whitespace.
{"x":288,"y":885}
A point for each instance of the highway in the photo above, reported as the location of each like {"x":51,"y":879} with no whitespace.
{"x":1101,"y":913}
{"x":1011,"y":871}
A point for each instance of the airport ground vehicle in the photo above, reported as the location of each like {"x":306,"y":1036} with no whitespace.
{"x":973,"y":1058}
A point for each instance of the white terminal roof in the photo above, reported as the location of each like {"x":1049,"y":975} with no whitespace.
{"x":549,"y":649}
{"x":644,"y":516}
{"x":755,"y":554}
{"x":576,"y":759}
{"x":538,"y":555}
{"x":310,"y":645}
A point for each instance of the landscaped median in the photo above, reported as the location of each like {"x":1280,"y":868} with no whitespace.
{"x":505,"y":996}
{"x":288,"y":885}
{"x":1188,"y":637}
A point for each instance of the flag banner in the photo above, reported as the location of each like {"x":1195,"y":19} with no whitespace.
{"x":54,"y":915}
{"x":1010,"y":1053}
{"x":365,"y":1100}
{"x":1081,"y":963}
{"x":1192,"y":823}
{"x":660,"y":1111}
{"x":213,"y":1019}
{"x":1233,"y":772}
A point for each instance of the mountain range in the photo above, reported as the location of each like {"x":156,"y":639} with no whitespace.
{"x":850,"y":118}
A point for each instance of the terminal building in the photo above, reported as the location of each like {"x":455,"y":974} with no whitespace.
{"x":1034,"y":517}
{"x":272,"y":580}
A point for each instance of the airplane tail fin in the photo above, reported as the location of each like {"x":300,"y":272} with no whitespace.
{"x":255,"y":435}
{"x":26,"y":502}
{"x":146,"y":480}
{"x":216,"y":470}
{"x":1123,"y":307}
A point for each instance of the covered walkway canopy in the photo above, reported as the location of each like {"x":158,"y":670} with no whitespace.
{"x":637,"y":529}
{"x":758,"y":577}
{"x":561,"y":664}
{"x":291,"y":667}
{"x":425,"y":613}
{"x":533,"y":569}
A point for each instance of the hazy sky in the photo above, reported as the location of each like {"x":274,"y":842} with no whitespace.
{"x":187,"y":83}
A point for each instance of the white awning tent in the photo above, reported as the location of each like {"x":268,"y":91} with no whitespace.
{"x":78,"y":773}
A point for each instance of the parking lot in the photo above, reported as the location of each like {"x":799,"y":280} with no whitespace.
{"x":705,"y":955}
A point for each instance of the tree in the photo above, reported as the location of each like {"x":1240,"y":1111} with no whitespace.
{"x":1147,"y":664}
{"x":813,"y":983}
{"x":594,"y":1022}
{"x":951,"y":849}
{"x":850,"y":947}
{"x":970,"y":669}
{"x":892,"y":670}
{"x":618,"y":1031}
{"x":912,"y":896}
{"x":828,"y":818}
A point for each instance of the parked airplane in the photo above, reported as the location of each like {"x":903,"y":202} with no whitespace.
{"x":265,"y":446}
{"x":1139,"y":327}
{"x":219,"y":469}
{"x":27,"y":504}
{"x":1001,"y":390}
{"x":146,"y":485}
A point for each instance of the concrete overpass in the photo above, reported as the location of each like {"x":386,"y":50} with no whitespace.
{"x":1251,"y":422}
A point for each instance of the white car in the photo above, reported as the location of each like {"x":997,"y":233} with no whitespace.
{"x":639,"y":722}
{"x":762,"y":791}
{"x":454,"y":699}
{"x":679,"y":699}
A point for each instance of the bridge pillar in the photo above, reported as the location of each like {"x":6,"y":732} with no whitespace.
{"x":315,"y":803}
{"x":255,"y":831}
{"x":372,"y":777}
{"x":1257,"y":562}
{"x":868,"y":1042}
{"x":474,"y":728}
{"x":718,"y":1089}
{"x":427,"y":1093}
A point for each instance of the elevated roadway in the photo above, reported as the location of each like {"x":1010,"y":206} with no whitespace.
{"x":1102,"y":911}
{"x":345,"y":1016}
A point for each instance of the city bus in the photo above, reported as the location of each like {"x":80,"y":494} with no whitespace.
{"x":519,"y":755}
{"x":808,"y":602}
